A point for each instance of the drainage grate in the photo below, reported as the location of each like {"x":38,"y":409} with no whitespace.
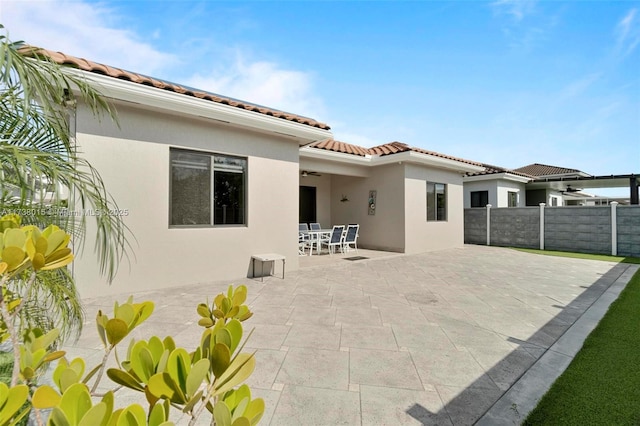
{"x":355,"y":258}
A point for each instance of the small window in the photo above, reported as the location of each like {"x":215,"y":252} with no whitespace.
{"x":554,"y":202}
{"x":479,"y":198}
{"x":512,"y":199}
{"x":436,"y":201}
{"x":207,"y":189}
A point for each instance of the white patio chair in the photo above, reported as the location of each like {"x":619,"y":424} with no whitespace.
{"x":334,"y":240}
{"x":303,"y":243}
{"x":351,"y":238}
{"x":315,"y":226}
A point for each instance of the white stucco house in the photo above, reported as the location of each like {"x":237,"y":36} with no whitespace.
{"x":497,"y":186}
{"x":207,"y":181}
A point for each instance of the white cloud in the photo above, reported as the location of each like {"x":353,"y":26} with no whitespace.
{"x":81,"y":29}
{"x":262,"y":82}
{"x":578,"y":87}
{"x":627,"y":33}
{"x":517,"y":9}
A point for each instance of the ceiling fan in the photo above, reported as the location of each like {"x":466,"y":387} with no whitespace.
{"x":571,"y":190}
{"x":306,"y":173}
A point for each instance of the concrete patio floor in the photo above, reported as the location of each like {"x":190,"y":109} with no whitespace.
{"x":447,"y":337}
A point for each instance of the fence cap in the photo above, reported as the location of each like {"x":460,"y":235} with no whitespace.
{"x":614,"y":203}
{"x":543,"y":204}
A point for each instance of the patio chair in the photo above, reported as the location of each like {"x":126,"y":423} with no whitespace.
{"x":351,"y":238}
{"x":334,"y":240}
{"x":315,"y":226}
{"x":303,"y":242}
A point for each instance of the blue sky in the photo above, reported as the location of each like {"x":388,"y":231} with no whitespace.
{"x":503,"y":82}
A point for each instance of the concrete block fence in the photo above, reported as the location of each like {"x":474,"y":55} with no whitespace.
{"x":612,"y":229}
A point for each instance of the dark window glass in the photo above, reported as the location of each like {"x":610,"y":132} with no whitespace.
{"x":513,"y":199}
{"x":479,"y":198}
{"x":436,"y":201}
{"x":196,"y":191}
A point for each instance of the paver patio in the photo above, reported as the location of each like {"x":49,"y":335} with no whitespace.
{"x":435,"y":338}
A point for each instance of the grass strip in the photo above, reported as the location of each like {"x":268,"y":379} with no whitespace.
{"x":602,"y":383}
{"x":587,"y":256}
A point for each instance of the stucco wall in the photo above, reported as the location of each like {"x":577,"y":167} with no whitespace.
{"x":483,"y":185}
{"x":134,"y":163}
{"x":422,"y":235}
{"x":498,"y":191}
{"x":385,"y":229}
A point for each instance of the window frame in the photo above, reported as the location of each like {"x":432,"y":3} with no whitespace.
{"x":513,"y":194}
{"x":444,"y":192}
{"x":212,"y":185}
{"x":479,"y":192}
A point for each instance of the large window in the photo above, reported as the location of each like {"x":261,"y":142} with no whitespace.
{"x":207,"y":189}
{"x":479,"y":198}
{"x":436,"y":201}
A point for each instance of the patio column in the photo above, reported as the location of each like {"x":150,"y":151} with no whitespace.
{"x":542,"y":225}
{"x":614,"y":228}
{"x":634,"y":188}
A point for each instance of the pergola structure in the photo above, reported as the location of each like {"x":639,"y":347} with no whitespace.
{"x":613,"y":181}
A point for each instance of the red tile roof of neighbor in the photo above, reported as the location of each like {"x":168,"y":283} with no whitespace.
{"x":380,"y":150}
{"x":490,"y":170}
{"x":537,"y":170}
{"x":94,"y":67}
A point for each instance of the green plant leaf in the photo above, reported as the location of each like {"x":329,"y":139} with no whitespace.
{"x":123,"y":378}
{"x":157,"y":415}
{"x":203,"y":310}
{"x":162,"y":385}
{"x":196,"y":376}
{"x":240,"y":295}
{"x":58,"y":418}
{"x":179,"y":366}
{"x":239,"y":410}
{"x":205,"y":322}
{"x":97,"y":415}
{"x":235,"y":331}
{"x":11,"y":399}
{"x":239,"y":370}
{"x":142,"y":361}
{"x":133,"y":415}
{"x":156,"y":348}
{"x":222,"y":414}
{"x":255,"y":410}
{"x":220,"y":359}
{"x":45,"y":397}
{"x":75,"y":402}
{"x":116,"y":331}
{"x":241,"y":421}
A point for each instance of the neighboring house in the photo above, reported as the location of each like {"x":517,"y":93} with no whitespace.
{"x":417,"y":194}
{"x":206,"y":181}
{"x":539,"y":183}
{"x":551,"y":196}
{"x":497,"y":186}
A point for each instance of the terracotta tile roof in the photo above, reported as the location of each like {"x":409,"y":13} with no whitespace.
{"x":538,"y":170}
{"x":381,"y":150}
{"x":490,"y":170}
{"x":94,"y":67}
{"x":342,"y":147}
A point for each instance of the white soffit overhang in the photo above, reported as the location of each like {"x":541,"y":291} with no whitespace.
{"x":375,"y":160}
{"x":427,"y":160}
{"x":496,"y":176}
{"x":172,"y":103}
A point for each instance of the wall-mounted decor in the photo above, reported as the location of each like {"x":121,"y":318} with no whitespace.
{"x":344,"y":199}
{"x":372,"y":202}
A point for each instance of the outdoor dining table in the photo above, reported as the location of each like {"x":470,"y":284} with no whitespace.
{"x":316,"y":235}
